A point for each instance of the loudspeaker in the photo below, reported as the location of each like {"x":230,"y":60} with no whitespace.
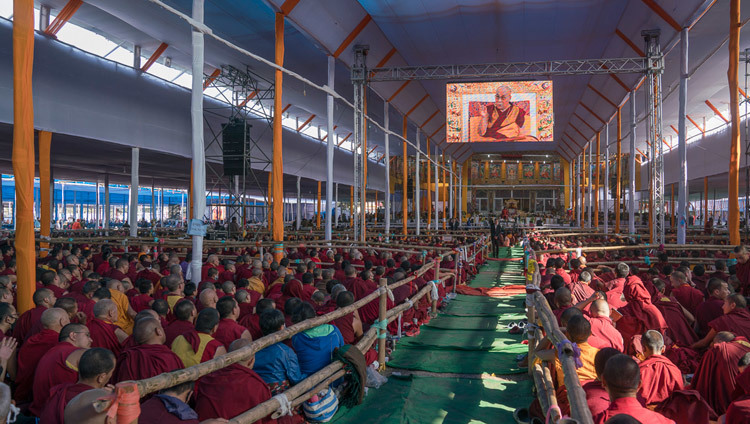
{"x":234,"y":144}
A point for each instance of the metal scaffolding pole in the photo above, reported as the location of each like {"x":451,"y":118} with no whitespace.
{"x":590,"y":200}
{"x":299,"y":203}
{"x":682,"y":183}
{"x":578,"y":191}
{"x":437,"y":185}
{"x":198,"y":152}
{"x":417,"y":217}
{"x":97,"y":215}
{"x":106,"y":201}
{"x":654,"y":128}
{"x":359,"y":80}
{"x":631,"y":167}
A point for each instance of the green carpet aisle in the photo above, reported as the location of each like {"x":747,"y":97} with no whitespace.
{"x":469,"y":337}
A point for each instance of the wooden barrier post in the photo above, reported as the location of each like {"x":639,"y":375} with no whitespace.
{"x":381,"y":321}
{"x":433,"y":309}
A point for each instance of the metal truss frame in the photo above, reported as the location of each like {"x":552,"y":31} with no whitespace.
{"x":359,"y":80}
{"x":250,"y":100}
{"x":654,"y":133}
{"x":513,"y":70}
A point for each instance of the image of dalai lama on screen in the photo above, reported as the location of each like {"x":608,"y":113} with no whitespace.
{"x":502,"y":120}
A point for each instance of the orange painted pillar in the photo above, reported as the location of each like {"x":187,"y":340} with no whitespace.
{"x":734,"y":107}
{"x":317,"y":220}
{"x":445,"y":192}
{"x":23,"y":149}
{"x":277,"y":160}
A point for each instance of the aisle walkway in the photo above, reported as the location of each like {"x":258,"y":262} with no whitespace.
{"x":462,"y":366}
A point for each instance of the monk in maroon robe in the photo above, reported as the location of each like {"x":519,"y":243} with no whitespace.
{"x":715,"y":378}
{"x":149,"y":357}
{"x":736,"y":320}
{"x":640,"y":314}
{"x":170,"y":406}
{"x":185,"y":313}
{"x":95,"y":368}
{"x":349,"y":325}
{"x":229,"y":330}
{"x":603,"y":332}
{"x":60,"y":364}
{"x":43,"y":299}
{"x":739,"y":410}
{"x":659,"y":376}
{"x":621,"y":379}
{"x":596,"y":396}
{"x":104,"y":332}
{"x":680,"y":331}
{"x":713,"y":306}
{"x":53,"y":320}
{"x":232,"y":390}
{"x":689,"y":297}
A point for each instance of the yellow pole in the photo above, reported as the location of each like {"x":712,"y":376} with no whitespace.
{"x":23,"y":149}
{"x":734,"y":106}
{"x":277,"y":161}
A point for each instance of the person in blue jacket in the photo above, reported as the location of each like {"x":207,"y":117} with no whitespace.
{"x":277,"y":364}
{"x":315,"y":346}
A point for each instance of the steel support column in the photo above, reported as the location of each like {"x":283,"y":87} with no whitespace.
{"x":299,"y":203}
{"x":682,"y":183}
{"x":387,"y":205}
{"x":329,"y":151}
{"x":606,"y":178}
{"x":654,"y":128}
{"x":631,"y":167}
{"x":133,"y":212}
{"x":198,"y":151}
{"x":417,"y":212}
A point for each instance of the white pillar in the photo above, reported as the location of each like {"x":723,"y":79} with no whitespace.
{"x":417,"y":216}
{"x":449,"y":164}
{"x":682,"y":187}
{"x":97,"y":215}
{"x":437,"y":192}
{"x":578,"y":191}
{"x":299,"y":201}
{"x":590,"y":195}
{"x":330,"y":150}
{"x":336,"y":200}
{"x":631,"y":167}
{"x":199,"y":158}
{"x":460,"y":194}
{"x":106,"y":201}
{"x":133,"y":209}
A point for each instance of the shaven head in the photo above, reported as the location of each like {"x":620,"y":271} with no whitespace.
{"x":105,"y":308}
{"x":621,"y":377}
{"x":578,"y":329}
{"x":653,"y":342}
{"x":184,"y":310}
{"x":601,"y":358}
{"x":568,"y":314}
{"x":563,"y":297}
{"x":55,"y":319}
{"x":599,"y":308}
{"x":723,"y":337}
{"x":68,"y":304}
{"x":42,"y":295}
{"x":239,"y":344}
{"x":76,"y":334}
{"x":95,"y":362}
{"x":744,"y":362}
{"x":148,"y":331}
{"x":146,"y":314}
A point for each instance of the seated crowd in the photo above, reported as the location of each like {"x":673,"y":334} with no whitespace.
{"x":661,"y":341}
{"x":103,"y":315}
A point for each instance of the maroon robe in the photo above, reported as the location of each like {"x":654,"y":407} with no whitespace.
{"x":715,"y":378}
{"x":154,"y":411}
{"x":679,"y":331}
{"x":596,"y":397}
{"x":103,"y":335}
{"x":51,"y":371}
{"x":228,"y":331}
{"x":604,"y":334}
{"x":708,"y":311}
{"x":141,"y":302}
{"x":28,"y":358}
{"x":614,"y":293}
{"x":229,"y":392}
{"x":737,"y":322}
{"x":252,"y":323}
{"x":640,"y":314}
{"x":177,"y":328}
{"x":59,"y":396}
{"x":26,"y":321}
{"x":145,"y":361}
{"x":631,"y":406}
{"x":659,"y":378}
{"x":345,"y":325}
{"x":688,"y":297}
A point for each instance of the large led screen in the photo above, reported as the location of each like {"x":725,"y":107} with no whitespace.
{"x":499,"y":111}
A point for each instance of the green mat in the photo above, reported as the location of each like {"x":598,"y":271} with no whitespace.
{"x":448,"y":322}
{"x":498,"y":362}
{"x":440,"y":339}
{"x":426,"y":400}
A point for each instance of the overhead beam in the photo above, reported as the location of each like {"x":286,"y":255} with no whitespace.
{"x":288,"y":6}
{"x":674,"y":129}
{"x":63,"y":17}
{"x":247,"y":99}
{"x":154,"y":57}
{"x":417,"y":105}
{"x":584,"y":122}
{"x":618,"y":80}
{"x":352,"y":35}
{"x":437,"y":130}
{"x":393,"y":96}
{"x":326,"y":136}
{"x":592,"y":113}
{"x":632,"y":45}
{"x":211,"y":78}
{"x":602,"y":96}
{"x":304,"y":124}
{"x":343,"y":140}
{"x":286,"y":107}
{"x":716,"y":111}
{"x":662,"y":14}
{"x":696,"y":124}
{"x":429,"y":119}
{"x":585,"y":139}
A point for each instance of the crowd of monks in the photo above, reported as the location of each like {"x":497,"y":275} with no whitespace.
{"x":657,"y":339}
{"x":104,"y":314}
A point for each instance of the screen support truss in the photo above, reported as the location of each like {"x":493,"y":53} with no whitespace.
{"x":513,"y":70}
{"x":655,"y":61}
{"x":359,"y":79}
